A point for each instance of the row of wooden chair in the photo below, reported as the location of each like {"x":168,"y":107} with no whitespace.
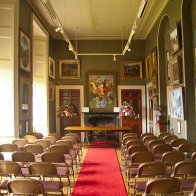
{"x":149,"y":148}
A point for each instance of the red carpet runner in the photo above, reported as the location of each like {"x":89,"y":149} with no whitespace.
{"x":100,"y":173}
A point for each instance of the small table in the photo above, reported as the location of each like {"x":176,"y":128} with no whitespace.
{"x":87,"y":129}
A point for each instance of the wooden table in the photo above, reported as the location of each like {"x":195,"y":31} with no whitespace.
{"x":88,"y":129}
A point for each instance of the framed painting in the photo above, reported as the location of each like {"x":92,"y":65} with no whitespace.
{"x":148,"y":63}
{"x":169,"y":99}
{"x":155,"y":87}
{"x":69,"y":69}
{"x":156,"y":102}
{"x":154,"y":60}
{"x":24,"y":52}
{"x":174,"y":38}
{"x":25,"y":98}
{"x":175,"y":64}
{"x":177,"y":103}
{"x":131,"y":69}
{"x":169,"y":73}
{"x":101,"y":91}
{"x":51,"y":91}
{"x":51,"y":68}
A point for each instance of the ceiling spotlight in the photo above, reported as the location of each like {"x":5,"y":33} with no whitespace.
{"x":114,"y":58}
{"x":58,"y":29}
{"x":70,"y":47}
{"x":128,"y":49}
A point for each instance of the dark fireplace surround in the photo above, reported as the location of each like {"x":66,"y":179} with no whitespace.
{"x":101,"y":119}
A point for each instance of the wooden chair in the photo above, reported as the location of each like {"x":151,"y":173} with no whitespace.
{"x":153,"y":143}
{"x":57,"y":136}
{"x":147,"y":170}
{"x":38,"y":135}
{"x":186,"y":170}
{"x":193,"y":156}
{"x":144,"y":135}
{"x":30,"y":138}
{"x":47,"y":172}
{"x":59,"y":161}
{"x":34,"y":148}
{"x":163,"y":186}
{"x":167,"y":139}
{"x":43,"y":142}
{"x":8,"y":148}
{"x":52,"y":139}
{"x":170,"y":159}
{"x":162,"y":135}
{"x":20,"y":142}
{"x":25,"y":186}
{"x":188,"y":149}
{"x":177,"y":142}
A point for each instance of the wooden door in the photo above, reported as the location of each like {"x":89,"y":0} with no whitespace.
{"x":71,"y":97}
{"x":134,"y":98}
{"x":150,"y":110}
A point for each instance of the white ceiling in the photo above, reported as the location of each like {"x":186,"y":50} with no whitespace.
{"x":100,"y":19}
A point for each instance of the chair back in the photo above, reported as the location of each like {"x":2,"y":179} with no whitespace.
{"x":151,"y":169}
{"x":193,"y":156}
{"x":30,"y":138}
{"x":42,"y":169}
{"x":178,"y":142}
{"x":186,"y":168}
{"x":54,"y":157}
{"x":74,"y":135}
{"x":167,"y":139}
{"x":25,"y":186}
{"x":43,"y":142}
{"x":163,"y":186}
{"x":23,"y":157}
{"x":144,"y":135}
{"x":64,"y":149}
{"x":20,"y":142}
{"x":162,"y":135}
{"x":149,"y":138}
{"x":38,"y":135}
{"x":57,"y":136}
{"x":130,"y":134}
{"x":8,"y":148}
{"x":141,"y":157}
{"x":128,"y":138}
{"x":34,"y":148}
{"x":10,"y":168}
{"x":153,"y":143}
{"x":52,"y":139}
{"x":172,"y":157}
{"x":137,"y":148}
{"x":132,"y":143}
{"x":68,"y":143}
{"x":162,"y":148}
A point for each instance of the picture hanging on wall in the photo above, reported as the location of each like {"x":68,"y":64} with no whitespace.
{"x":154,"y":60}
{"x":131,"y":69}
{"x":101,"y":91}
{"x":25,"y":52}
{"x":148,"y":62}
{"x":51,"y":68}
{"x":176,"y":76}
{"x":175,"y":39}
{"x":69,"y":69}
{"x":177,"y":103}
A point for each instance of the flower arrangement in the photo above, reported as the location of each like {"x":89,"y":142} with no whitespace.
{"x":127,"y":110}
{"x":66,"y":110}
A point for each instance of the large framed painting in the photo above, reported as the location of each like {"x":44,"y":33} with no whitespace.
{"x":155,"y":85}
{"x":24,"y":52}
{"x":51,"y":68}
{"x":25,"y":98}
{"x":131,"y":69}
{"x":101,"y":91}
{"x":169,"y":99}
{"x":69,"y":69}
{"x":177,"y":103}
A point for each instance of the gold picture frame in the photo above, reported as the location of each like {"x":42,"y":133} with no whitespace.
{"x":69,"y":69}
{"x":24,"y":52}
{"x":155,"y":87}
{"x":51,"y":91}
{"x":51,"y":68}
{"x":154,"y":60}
{"x":176,"y":75}
{"x":148,"y":63}
{"x":101,"y":91}
{"x":131,"y":69}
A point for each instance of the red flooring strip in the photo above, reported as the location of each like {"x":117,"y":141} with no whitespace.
{"x":100,"y":174}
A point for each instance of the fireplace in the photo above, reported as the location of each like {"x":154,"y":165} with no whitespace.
{"x":101,"y":119}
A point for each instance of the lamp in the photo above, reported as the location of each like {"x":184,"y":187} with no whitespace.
{"x":58,"y":29}
{"x":114,"y":57}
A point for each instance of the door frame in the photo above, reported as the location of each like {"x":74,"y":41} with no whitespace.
{"x":142,"y":88}
{"x":149,"y":85}
{"x":67,"y":87}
